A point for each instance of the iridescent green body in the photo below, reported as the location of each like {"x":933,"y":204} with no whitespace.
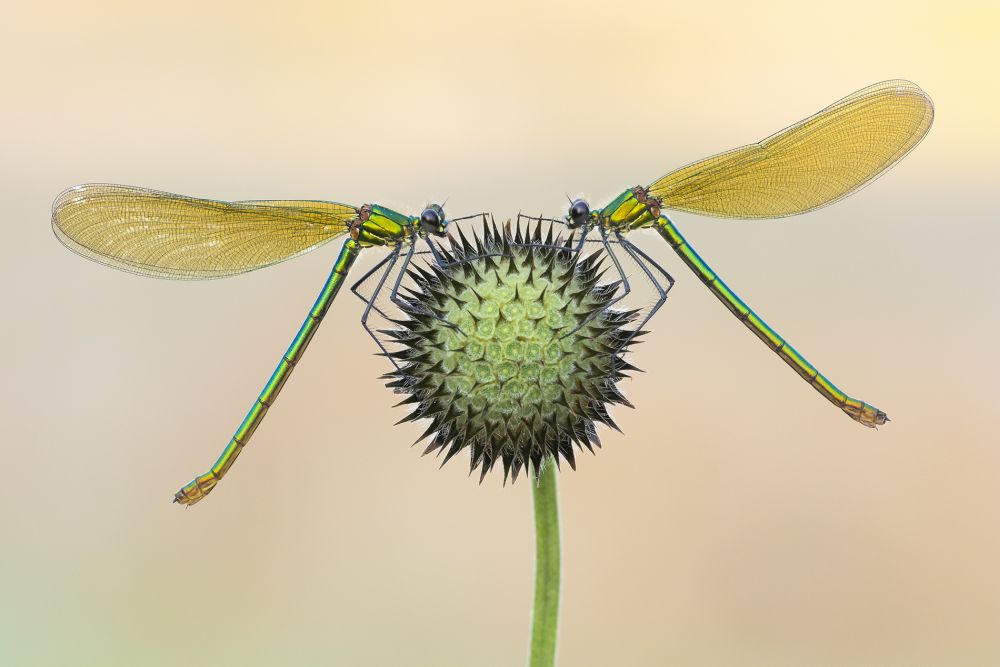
{"x":379,"y":226}
{"x":375,"y":226}
{"x":634,"y":209}
{"x":625,"y":213}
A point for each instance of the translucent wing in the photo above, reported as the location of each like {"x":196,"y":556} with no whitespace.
{"x":808,"y":165}
{"x":171,"y":236}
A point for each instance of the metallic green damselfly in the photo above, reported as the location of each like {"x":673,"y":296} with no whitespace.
{"x":799,"y":169}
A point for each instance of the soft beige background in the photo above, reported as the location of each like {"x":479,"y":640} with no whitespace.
{"x":740,"y":520}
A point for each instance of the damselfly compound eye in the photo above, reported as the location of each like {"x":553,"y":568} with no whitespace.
{"x":579,"y":212}
{"x":430,"y":219}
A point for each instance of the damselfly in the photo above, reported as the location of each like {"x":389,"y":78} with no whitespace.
{"x":801,"y":168}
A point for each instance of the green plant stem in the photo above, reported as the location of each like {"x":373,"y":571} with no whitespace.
{"x":545,"y":617}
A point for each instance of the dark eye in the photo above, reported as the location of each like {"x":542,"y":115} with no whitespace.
{"x":579,"y":212}
{"x":430,"y":220}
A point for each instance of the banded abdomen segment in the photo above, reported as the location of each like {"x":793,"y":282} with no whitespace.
{"x":857,"y":410}
{"x":200,"y":487}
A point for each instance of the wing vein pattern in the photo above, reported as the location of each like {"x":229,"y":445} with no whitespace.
{"x":808,"y":165}
{"x":165,"y":235}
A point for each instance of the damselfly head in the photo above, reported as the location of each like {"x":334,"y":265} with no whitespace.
{"x":579,"y":213}
{"x":433,"y":221}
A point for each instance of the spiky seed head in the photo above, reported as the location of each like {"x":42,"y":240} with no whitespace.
{"x":509,"y":348}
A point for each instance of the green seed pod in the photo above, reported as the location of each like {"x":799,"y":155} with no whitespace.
{"x":509,"y":347}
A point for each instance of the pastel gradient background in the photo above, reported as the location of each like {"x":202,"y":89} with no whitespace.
{"x":741,"y":520}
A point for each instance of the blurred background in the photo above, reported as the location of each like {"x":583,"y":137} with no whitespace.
{"x":740,"y":519}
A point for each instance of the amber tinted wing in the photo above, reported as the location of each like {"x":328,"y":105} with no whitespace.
{"x":172,"y":236}
{"x":808,"y":165}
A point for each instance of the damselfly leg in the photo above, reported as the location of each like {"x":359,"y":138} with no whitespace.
{"x":389,"y":261}
{"x":644,"y":262}
{"x":414,"y":306}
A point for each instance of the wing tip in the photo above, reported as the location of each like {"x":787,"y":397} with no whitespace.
{"x":901,"y":87}
{"x":76,"y":193}
{"x":64,"y":197}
